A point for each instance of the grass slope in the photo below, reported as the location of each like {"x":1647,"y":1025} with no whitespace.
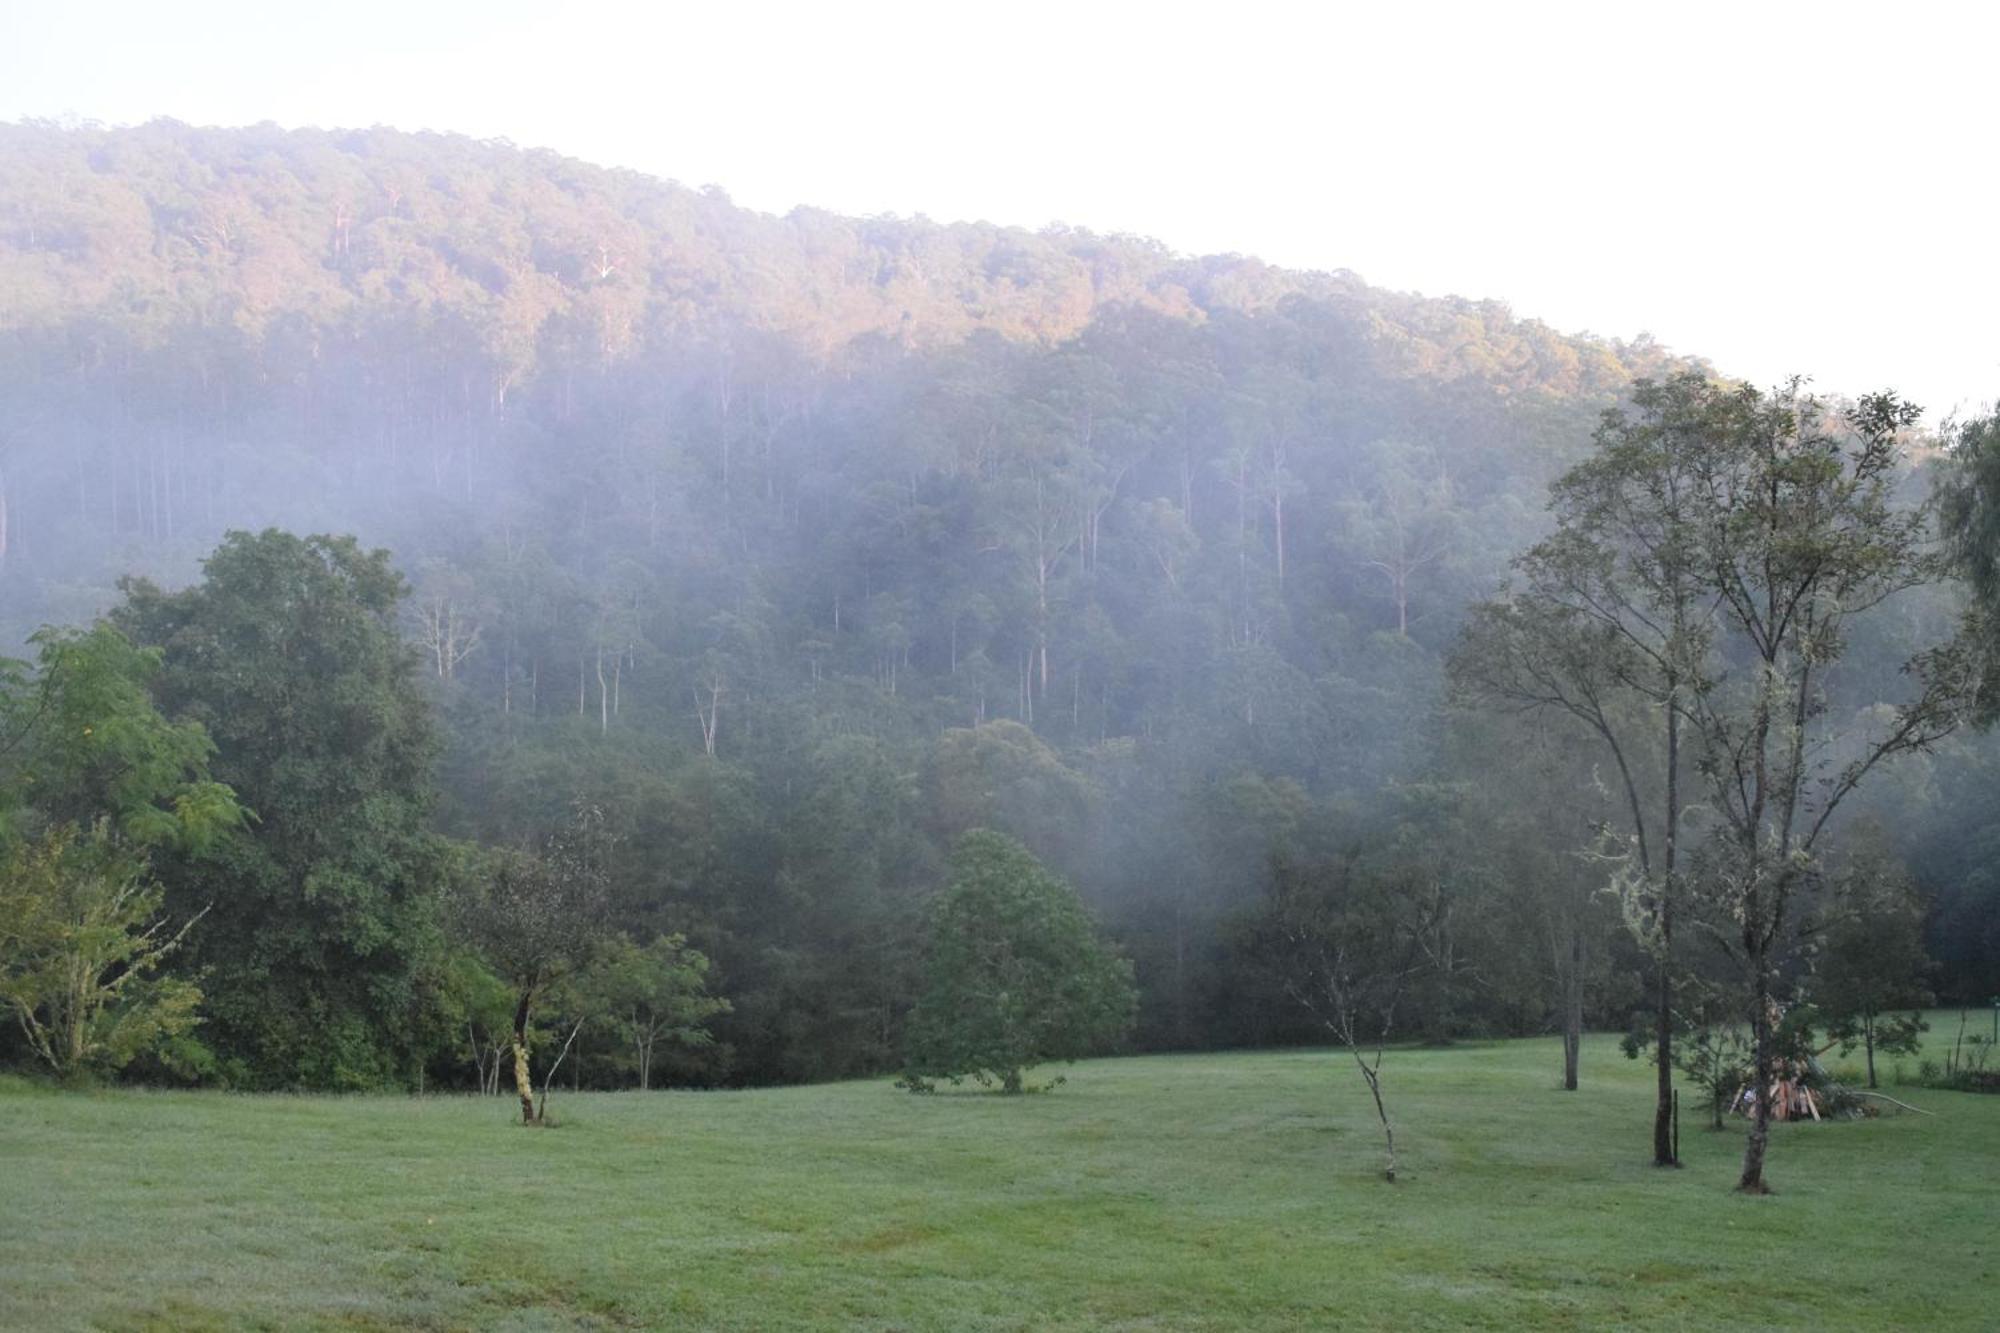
{"x":1185,"y":1192}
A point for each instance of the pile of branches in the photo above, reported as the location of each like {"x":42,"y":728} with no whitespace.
{"x":1801,"y":1089}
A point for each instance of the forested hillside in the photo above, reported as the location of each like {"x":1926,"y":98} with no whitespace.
{"x":798,"y":546}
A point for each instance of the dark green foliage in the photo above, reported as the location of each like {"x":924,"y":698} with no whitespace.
{"x":1870,"y":960}
{"x":323,"y":943}
{"x":537,"y":916}
{"x":1952,"y":838}
{"x":1937,"y":818}
{"x":84,"y":742}
{"x":1712,"y":1046}
{"x":1002,"y":776}
{"x":1016,"y":976}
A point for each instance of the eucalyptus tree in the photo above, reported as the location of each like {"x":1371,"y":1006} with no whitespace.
{"x":1406,"y":523}
{"x":1607,"y":624}
{"x":1969,"y":491}
{"x":1708,"y":561}
{"x":1800,"y":534}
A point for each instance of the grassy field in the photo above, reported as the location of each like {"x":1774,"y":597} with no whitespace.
{"x":1185,"y":1192}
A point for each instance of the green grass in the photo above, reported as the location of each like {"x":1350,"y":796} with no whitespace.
{"x":1172,"y":1192}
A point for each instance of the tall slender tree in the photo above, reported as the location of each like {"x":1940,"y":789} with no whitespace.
{"x":1708,"y":561}
{"x":1606,"y":625}
{"x":1799,"y":534}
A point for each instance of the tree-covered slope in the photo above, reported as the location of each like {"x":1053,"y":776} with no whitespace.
{"x":797,"y":544}
{"x":165,"y":225}
{"x":215,"y":328}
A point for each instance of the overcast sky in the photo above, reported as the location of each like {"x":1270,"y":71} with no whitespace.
{"x":1779,"y":188}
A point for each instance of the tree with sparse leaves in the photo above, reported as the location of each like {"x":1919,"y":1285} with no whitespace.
{"x":1799,"y":535}
{"x":654,"y":995}
{"x":1711,"y":559}
{"x":1351,"y":939}
{"x":1606,"y":627}
{"x":535,"y":917}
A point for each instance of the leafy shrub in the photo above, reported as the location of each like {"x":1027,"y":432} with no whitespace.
{"x":1017,"y":975}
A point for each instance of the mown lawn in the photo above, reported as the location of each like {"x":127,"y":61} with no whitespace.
{"x":1173,"y":1192}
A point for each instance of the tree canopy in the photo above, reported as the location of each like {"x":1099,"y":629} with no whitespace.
{"x":1016,"y":976}
{"x":324,"y":937}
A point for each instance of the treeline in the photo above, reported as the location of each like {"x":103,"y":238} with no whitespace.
{"x":226,"y":796}
{"x":796,"y":547}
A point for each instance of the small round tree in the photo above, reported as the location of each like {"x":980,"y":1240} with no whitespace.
{"x":1017,"y":976}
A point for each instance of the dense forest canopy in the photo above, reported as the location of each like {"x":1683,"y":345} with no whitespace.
{"x":798,"y":547}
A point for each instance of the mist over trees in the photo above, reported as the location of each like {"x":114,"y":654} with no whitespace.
{"x":796,"y":549}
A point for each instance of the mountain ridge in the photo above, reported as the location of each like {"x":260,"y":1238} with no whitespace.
{"x":195,"y":223}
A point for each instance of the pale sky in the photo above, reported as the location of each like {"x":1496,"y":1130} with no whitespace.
{"x":1781,"y":188}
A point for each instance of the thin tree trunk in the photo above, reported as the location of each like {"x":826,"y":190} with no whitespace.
{"x":1752,"y":1181}
{"x":524,"y":1088}
{"x":1180,"y":969}
{"x":1715,"y":1082}
{"x":1278,"y":515}
{"x":1663,"y":1038}
{"x":550,"y":1077}
{"x":1573,"y":1009}
{"x":1374,"y":1076}
{"x":1663,"y":1034}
